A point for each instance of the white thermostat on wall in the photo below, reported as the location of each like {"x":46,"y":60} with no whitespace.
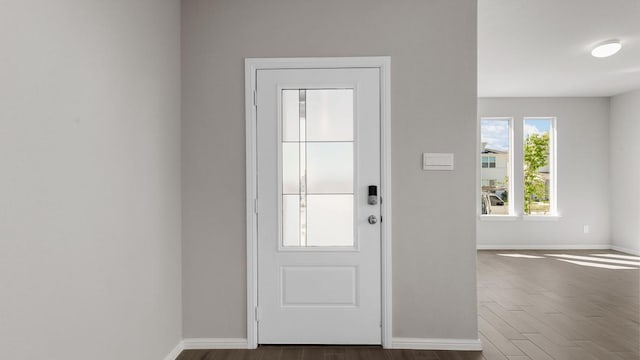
{"x":437,"y":161}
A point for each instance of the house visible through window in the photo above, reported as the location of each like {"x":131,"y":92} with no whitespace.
{"x":538,"y":177}
{"x":496,"y":168}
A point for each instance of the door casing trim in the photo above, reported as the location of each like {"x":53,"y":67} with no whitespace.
{"x":252,"y":65}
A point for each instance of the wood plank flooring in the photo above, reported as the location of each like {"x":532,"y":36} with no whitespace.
{"x":536,"y":307}
{"x":292,"y":352}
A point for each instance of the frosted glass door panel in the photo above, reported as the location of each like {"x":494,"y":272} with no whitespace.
{"x":330,"y":168}
{"x":330,"y":220}
{"x":291,"y":168}
{"x":317,"y":162}
{"x":290,"y":115}
{"x":291,"y":220}
{"x":329,"y":115}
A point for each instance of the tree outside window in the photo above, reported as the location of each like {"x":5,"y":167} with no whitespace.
{"x":537,"y":172}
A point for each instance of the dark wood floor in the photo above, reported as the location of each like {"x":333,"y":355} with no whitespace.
{"x":530,"y":308}
{"x":326,"y":353}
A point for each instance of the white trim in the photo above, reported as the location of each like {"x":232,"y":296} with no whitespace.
{"x":251,"y":197}
{"x":385,"y":208}
{"x":545,"y":247}
{"x":541,"y":217}
{"x":626,"y":250}
{"x":553,"y":152}
{"x":499,"y":217}
{"x":318,"y":62}
{"x":437,"y":344}
{"x":478,"y":167}
{"x":214,"y":343}
{"x":519,"y":217}
{"x":175,"y":352}
{"x":383,"y":63}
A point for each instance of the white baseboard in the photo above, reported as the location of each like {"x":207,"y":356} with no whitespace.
{"x":625,"y":250}
{"x":214,"y":343}
{"x":436,"y":344}
{"x":173,"y":354}
{"x":396,"y":343}
{"x":206,"y":343}
{"x":544,"y":247}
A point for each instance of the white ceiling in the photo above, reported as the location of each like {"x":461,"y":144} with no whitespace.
{"x":542,"y":47}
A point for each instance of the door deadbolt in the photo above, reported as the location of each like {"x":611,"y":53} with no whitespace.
{"x":373,"y":195}
{"x":372,"y":219}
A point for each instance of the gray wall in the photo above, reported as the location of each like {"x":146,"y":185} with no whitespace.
{"x":625,"y":172}
{"x":583,"y":174}
{"x":433,"y":49}
{"x":90,"y":185}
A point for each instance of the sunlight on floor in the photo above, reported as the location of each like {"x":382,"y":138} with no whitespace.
{"x":626,"y":257}
{"x":602,"y":266}
{"x":598,"y":259}
{"x":602,"y":261}
{"x":522,"y":256}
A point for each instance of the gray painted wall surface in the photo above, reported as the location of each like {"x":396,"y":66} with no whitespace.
{"x":583,"y":173}
{"x":433,"y":49}
{"x":625,"y":171}
{"x":90,"y":185}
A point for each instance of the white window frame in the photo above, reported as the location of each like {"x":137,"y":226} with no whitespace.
{"x":553,"y":169}
{"x":510,"y":172}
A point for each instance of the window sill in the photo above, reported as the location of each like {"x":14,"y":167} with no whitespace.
{"x":499,"y":217}
{"x":518,"y":217}
{"x":541,"y":217}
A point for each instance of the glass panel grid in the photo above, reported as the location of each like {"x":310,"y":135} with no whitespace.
{"x":317,"y":168}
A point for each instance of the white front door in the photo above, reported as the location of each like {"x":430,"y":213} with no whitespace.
{"x":318,"y":156}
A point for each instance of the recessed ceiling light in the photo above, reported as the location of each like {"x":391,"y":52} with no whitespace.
{"x":606,"y":48}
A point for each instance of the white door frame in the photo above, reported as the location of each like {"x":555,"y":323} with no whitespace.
{"x":252,"y":65}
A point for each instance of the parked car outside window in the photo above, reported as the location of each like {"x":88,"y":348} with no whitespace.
{"x":492,"y":204}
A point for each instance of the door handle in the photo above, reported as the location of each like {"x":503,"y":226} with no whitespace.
{"x":372,"y":219}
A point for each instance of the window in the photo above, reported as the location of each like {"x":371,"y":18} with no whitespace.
{"x":488,"y":162}
{"x":536,"y":183}
{"x":539,"y":166}
{"x":496,"y":165}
